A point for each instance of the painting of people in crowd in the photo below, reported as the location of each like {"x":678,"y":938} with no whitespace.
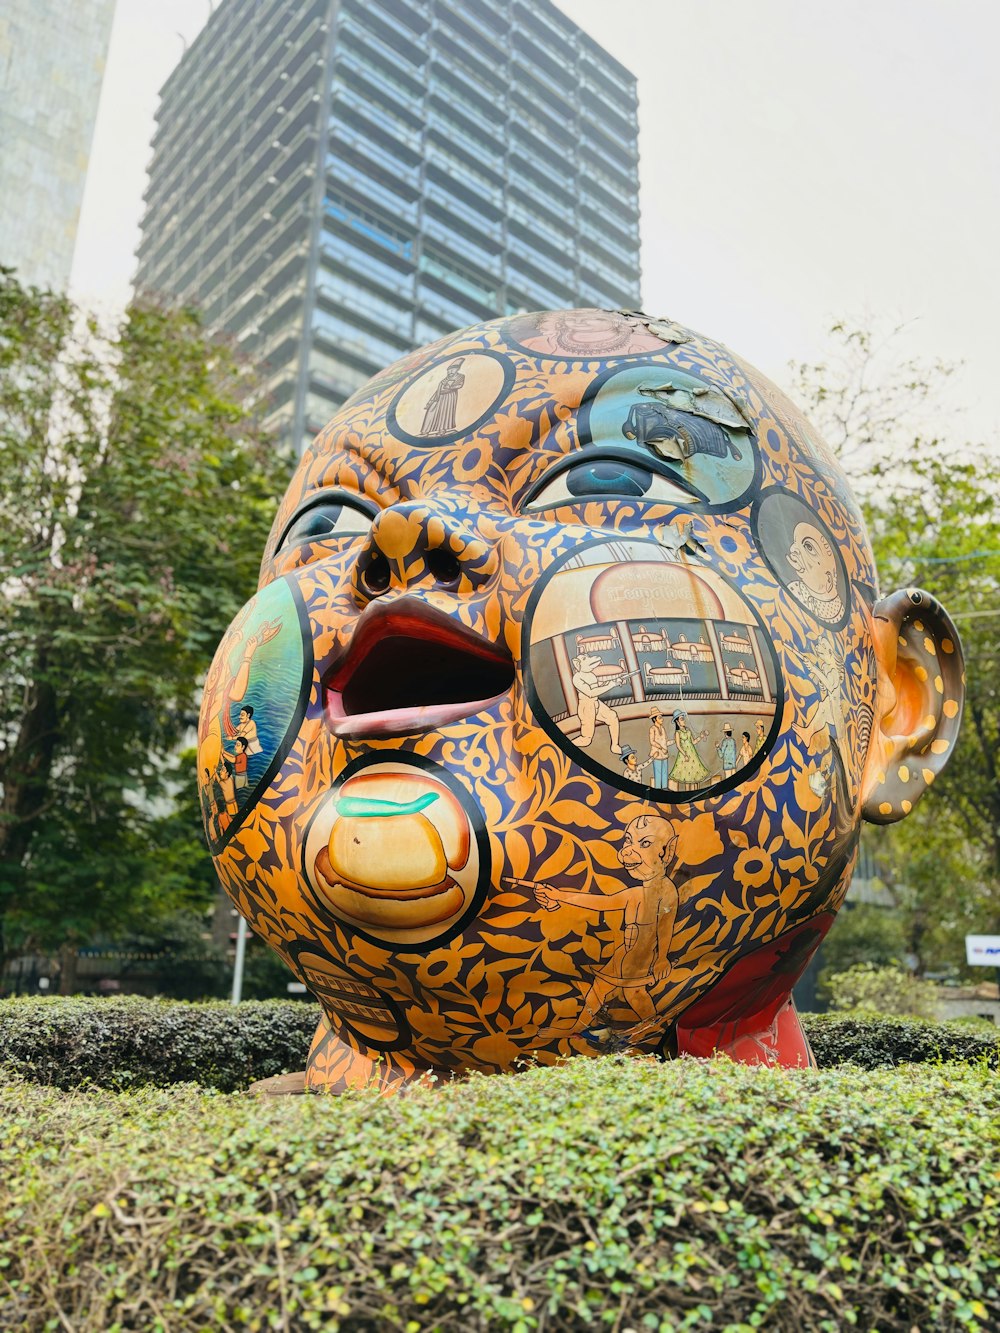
{"x":661,"y":675}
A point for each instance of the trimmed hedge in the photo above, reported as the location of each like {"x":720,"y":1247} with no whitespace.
{"x":128,"y":1041}
{"x":880,"y":1043}
{"x":611,"y":1193}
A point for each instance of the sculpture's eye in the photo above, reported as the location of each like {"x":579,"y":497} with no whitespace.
{"x":606,"y":476}
{"x":331,"y":516}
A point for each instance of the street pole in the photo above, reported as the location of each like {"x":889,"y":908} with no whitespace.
{"x":241,"y":950}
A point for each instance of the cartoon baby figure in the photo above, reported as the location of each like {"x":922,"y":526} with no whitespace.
{"x":649,"y":910}
{"x":591,"y":708}
{"x":433,"y":788}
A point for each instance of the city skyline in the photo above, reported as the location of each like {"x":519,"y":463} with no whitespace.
{"x":388,"y":171}
{"x":820,"y":179}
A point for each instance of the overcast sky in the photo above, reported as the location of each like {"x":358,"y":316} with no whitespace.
{"x":799,"y":162}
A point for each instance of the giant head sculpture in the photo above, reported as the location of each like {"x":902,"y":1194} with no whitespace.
{"x":566,"y":688}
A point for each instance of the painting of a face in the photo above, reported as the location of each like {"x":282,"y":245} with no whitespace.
{"x":803,"y":553}
{"x":644,"y":846}
{"x":557,"y":711}
{"x":812,"y":555}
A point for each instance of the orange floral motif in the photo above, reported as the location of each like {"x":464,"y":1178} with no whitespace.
{"x":753,"y":868}
{"x":576,"y":747}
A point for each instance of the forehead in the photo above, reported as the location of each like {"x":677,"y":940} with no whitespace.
{"x":491,"y":409}
{"x":809,"y":532}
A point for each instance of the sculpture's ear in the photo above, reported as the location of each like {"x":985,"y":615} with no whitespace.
{"x":918,"y":709}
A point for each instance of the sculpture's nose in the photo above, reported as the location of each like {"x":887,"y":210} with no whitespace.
{"x":414,"y":544}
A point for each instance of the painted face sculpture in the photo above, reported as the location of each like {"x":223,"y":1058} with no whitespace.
{"x":552,"y":724}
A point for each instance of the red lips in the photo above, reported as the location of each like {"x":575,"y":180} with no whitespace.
{"x":411,"y":668}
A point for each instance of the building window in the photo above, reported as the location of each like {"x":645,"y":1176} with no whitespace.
{"x":347,"y":337}
{"x":370,"y":225}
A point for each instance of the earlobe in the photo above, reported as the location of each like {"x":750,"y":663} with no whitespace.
{"x":921,"y":689}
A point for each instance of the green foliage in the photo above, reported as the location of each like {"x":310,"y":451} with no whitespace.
{"x":863,"y":933}
{"x":932,"y":504}
{"x":939,"y":528}
{"x":882,"y":1043}
{"x":135,"y":493}
{"x":941,"y":880}
{"x":265,"y":976}
{"x":609,"y":1193}
{"x":188,"y":966}
{"x":880,"y":991}
{"x":975,"y":1023}
{"x":130,"y":1041}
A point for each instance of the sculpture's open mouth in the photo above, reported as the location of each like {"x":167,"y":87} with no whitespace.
{"x":412,"y":668}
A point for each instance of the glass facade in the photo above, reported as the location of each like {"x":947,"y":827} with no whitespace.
{"x":51,"y":67}
{"x":338,"y":181}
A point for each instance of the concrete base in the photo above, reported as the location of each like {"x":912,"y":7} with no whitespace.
{"x":280,"y":1085}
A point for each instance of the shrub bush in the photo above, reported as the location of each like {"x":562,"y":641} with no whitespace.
{"x":880,"y":1043}
{"x":613,"y":1192}
{"x":878,"y":990}
{"x":129,"y":1041}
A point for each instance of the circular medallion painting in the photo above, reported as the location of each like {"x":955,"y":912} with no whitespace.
{"x":694,"y":431}
{"x":803,"y":555}
{"x":653,"y":675}
{"x":254,"y":699}
{"x":585,"y":334}
{"x":398,"y":852}
{"x":452,"y":397}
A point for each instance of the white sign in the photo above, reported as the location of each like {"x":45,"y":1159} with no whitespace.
{"x":982,"y":950}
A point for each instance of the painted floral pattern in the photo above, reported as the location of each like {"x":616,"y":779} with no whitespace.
{"x":747,"y":864}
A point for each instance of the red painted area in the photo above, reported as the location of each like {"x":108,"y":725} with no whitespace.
{"x":748,"y":1014}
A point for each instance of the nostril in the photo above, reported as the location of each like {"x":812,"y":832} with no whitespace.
{"x":376,"y":574}
{"x":443,"y":565}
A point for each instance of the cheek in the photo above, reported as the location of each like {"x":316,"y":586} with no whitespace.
{"x":264,"y":663}
{"x":657,"y":632}
{"x":327,"y":591}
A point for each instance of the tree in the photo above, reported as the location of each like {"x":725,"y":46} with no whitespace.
{"x":136,"y":488}
{"x":870,"y":990}
{"x":865,"y":933}
{"x":932,"y":504}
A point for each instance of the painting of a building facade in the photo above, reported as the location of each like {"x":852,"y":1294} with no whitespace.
{"x":635,"y":654}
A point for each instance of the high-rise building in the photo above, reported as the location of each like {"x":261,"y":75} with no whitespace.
{"x":52,"y":58}
{"x":336,"y":182}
